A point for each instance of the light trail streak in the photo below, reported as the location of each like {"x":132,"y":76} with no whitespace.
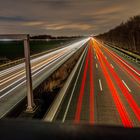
{"x":70,"y":50}
{"x":69,"y":102}
{"x":129,"y":69}
{"x":15,"y":75}
{"x":119,"y":105}
{"x":69,"y":47}
{"x":80,"y":99}
{"x":91,"y":105}
{"x":124,"y":90}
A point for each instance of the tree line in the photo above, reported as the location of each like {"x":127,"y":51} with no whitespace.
{"x":125,"y":36}
{"x":53,"y":37}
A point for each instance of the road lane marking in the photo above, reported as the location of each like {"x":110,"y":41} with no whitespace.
{"x":100,"y":84}
{"x":96,"y":65}
{"x":68,"y":105}
{"x":112,"y":66}
{"x":126,"y":85}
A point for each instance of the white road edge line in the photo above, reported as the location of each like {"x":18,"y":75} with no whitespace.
{"x":100,"y":84}
{"x":126,"y":85}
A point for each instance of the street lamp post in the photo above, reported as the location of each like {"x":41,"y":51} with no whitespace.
{"x":30,"y":102}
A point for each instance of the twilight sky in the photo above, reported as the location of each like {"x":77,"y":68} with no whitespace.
{"x":64,"y":17}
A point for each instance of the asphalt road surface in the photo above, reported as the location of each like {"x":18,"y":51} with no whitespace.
{"x":104,"y":91}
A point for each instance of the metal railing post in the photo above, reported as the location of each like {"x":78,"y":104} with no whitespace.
{"x":30,"y":101}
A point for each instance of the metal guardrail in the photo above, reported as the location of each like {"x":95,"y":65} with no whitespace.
{"x":126,"y":53}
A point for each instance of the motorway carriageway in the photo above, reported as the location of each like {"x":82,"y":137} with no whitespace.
{"x":13,"y":79}
{"x":105,"y":90}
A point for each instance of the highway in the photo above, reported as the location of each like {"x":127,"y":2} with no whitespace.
{"x":13,"y":79}
{"x":105,"y":90}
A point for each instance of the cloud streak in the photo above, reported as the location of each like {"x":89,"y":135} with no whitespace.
{"x":68,"y":26}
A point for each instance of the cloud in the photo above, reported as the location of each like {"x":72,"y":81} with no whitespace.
{"x":109,"y":10}
{"x":55,"y":3}
{"x":12,"y":18}
{"x":33,"y":23}
{"x":68,"y":26}
{"x":64,"y":17}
